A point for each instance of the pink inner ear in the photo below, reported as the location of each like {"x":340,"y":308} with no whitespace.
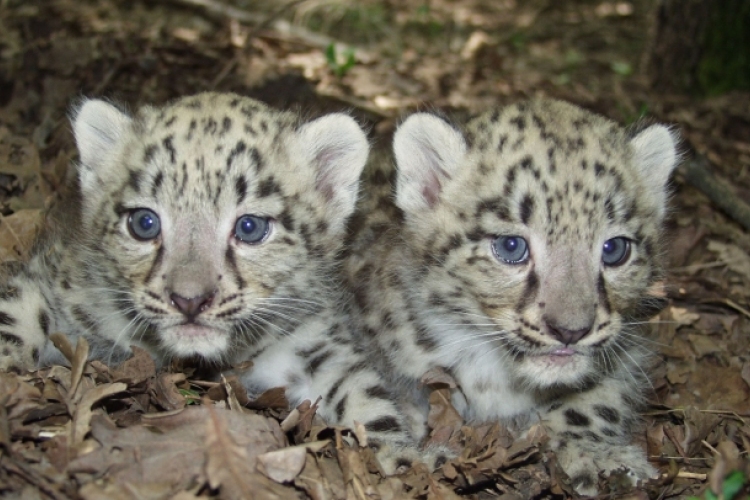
{"x":431,"y":189}
{"x":325,"y":181}
{"x":432,"y":186}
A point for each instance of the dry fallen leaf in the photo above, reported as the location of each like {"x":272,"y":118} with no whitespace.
{"x":84,"y":410}
{"x":136,"y":369}
{"x":283,"y":465}
{"x":230,"y":465}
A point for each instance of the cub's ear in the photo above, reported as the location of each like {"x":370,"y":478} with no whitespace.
{"x":98,"y":128}
{"x":428,"y":153}
{"x":337,"y":148}
{"x":655,"y":156}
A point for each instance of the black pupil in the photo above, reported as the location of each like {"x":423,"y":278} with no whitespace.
{"x":511,"y":244}
{"x":146,"y":222}
{"x":247,"y":225}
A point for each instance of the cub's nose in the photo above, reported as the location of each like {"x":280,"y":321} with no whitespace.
{"x":193,"y":306}
{"x":565,"y":335}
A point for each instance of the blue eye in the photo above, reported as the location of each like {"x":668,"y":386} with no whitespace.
{"x":251,"y":229}
{"x":511,"y":249}
{"x":615,"y":252}
{"x":144,"y":224}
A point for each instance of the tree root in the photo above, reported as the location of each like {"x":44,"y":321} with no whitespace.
{"x":697,"y":171}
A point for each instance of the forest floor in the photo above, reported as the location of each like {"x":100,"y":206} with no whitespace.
{"x":90,"y":431}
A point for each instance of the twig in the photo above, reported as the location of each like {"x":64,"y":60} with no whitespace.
{"x":687,"y":460}
{"x":31,"y":476}
{"x":273,"y":17}
{"x":707,"y":445}
{"x":688,"y":475}
{"x":697,"y":172}
{"x":281,"y":26}
{"x":736,"y":307}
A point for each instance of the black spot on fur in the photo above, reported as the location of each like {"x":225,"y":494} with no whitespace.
{"x":257,"y":159}
{"x":315,"y":363}
{"x":134,"y":180}
{"x":341,"y":407}
{"x":7,"y":319}
{"x":229,"y":255}
{"x":598,"y":169}
{"x":602,"y":291}
{"x":575,"y":418}
{"x":240,"y":187}
{"x":378,"y":392}
{"x":609,"y":207}
{"x":268,"y":187}
{"x":527,"y":208}
{"x":155,"y":264}
{"x":167,"y":143}
{"x":529,"y":293}
{"x":85,"y":319}
{"x":519,"y":122}
{"x":424,"y":340}
{"x":306,"y":353}
{"x":403,"y":463}
{"x":149,"y":152}
{"x":287,"y":221}
{"x":158,"y":180}
{"x":607,"y":413}
{"x":582,"y":480}
{"x":383,"y":424}
{"x":43,"y":318}
{"x":226,"y":125}
{"x":571,"y":436}
{"x":238,"y":149}
{"x":11,"y":338}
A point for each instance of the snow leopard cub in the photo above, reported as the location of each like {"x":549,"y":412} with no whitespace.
{"x":208,"y":228}
{"x":527,"y":243}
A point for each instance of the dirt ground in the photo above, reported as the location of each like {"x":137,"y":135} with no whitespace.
{"x":90,"y":431}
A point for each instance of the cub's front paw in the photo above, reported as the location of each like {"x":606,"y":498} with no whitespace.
{"x":583,"y":464}
{"x":397,"y":458}
{"x":14,"y":358}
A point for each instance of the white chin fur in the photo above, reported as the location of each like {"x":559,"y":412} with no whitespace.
{"x":192,"y":340}
{"x":550,"y":371}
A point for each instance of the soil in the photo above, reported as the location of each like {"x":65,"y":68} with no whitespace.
{"x":91,"y":431}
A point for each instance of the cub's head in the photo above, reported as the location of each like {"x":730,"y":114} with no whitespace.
{"x":215,"y":219}
{"x":534,"y":232}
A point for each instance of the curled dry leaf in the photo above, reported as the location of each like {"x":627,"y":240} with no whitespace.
{"x":283,"y":465}
{"x":62,"y":343}
{"x":443,"y":418}
{"x":16,"y":395}
{"x":18,"y":232}
{"x":231,"y":466}
{"x":271,"y":399}
{"x":136,"y":369}
{"x":77,"y":365}
{"x":171,"y":446}
{"x":437,"y":377}
{"x":165,"y":393}
{"x":84,"y":411}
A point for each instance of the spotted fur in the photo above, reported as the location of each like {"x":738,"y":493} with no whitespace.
{"x":208,"y":228}
{"x":553,"y":333}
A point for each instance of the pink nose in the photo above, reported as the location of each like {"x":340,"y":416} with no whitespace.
{"x":566,"y":336}
{"x":193,"y":306}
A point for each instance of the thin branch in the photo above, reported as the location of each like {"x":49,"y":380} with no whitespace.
{"x":218,"y":10}
{"x":697,"y":171}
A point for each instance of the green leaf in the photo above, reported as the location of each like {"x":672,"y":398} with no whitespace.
{"x":732,"y":485}
{"x":622,"y":68}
